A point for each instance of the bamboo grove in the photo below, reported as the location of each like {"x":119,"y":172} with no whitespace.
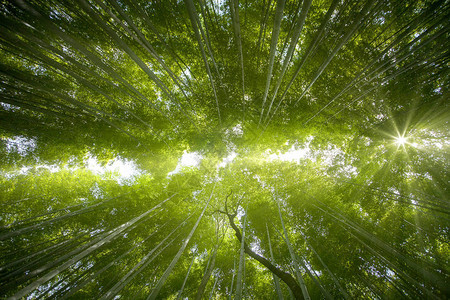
{"x":279,"y":149}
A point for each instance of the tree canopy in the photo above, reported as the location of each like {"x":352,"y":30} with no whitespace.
{"x":224,"y":149}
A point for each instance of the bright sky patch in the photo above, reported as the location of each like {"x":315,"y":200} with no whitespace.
{"x":227,"y":159}
{"x":122,"y":170}
{"x":188,"y":159}
{"x":401,"y":140}
{"x":20,"y":144}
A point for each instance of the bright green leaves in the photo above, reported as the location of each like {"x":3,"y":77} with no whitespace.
{"x":90,"y":84}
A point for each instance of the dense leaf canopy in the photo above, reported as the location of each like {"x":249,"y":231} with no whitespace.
{"x":224,"y":149}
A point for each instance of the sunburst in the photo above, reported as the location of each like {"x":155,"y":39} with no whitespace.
{"x":401,"y":141}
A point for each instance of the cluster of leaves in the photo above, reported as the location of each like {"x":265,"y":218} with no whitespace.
{"x":340,"y":80}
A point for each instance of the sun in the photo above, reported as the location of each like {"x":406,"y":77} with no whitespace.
{"x":401,"y":140}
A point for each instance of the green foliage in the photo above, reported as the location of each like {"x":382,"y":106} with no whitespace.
{"x":89,"y":85}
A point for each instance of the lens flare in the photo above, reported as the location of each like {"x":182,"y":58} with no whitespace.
{"x":400,"y":141}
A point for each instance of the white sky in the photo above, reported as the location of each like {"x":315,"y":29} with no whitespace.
{"x":20,"y":144}
{"x":331,"y":156}
{"x":122,"y":170}
{"x":292,"y":154}
{"x":237,"y":130}
{"x":227,"y":160}
{"x":188,"y":159}
{"x":295,"y":153}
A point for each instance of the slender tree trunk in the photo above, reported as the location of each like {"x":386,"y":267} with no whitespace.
{"x":313,"y":278}
{"x":321,"y":31}
{"x":169,"y":269}
{"x":358,"y":77}
{"x":239,"y":278}
{"x":185,"y":278}
{"x":234,"y":7}
{"x":356,"y":24}
{"x":16,"y":232}
{"x":294,"y":260}
{"x":162,"y":86}
{"x":418,"y":269}
{"x":275,"y":278}
{"x":284,"y":276}
{"x":111,"y":235}
{"x":80,"y":285}
{"x":262,"y":29}
{"x":145,"y":44}
{"x":140,"y":265}
{"x":192,"y":16}
{"x":208,"y":271}
{"x":290,"y":52}
{"x":232,"y":278}
{"x":273,"y":50}
{"x":213,"y":288}
{"x":341,"y":289}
